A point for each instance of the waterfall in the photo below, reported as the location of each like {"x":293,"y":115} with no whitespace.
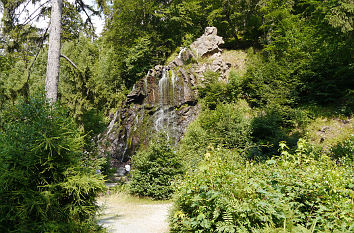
{"x":164,"y":87}
{"x":181,"y":52}
{"x":126,"y":145}
{"x":163,"y":108}
{"x":173,"y":79}
{"x":165,"y":117}
{"x":165,"y":99}
{"x":113,"y":121}
{"x":159,"y":122}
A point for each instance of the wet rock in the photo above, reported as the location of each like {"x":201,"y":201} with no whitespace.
{"x":176,"y":62}
{"x":165,"y":99}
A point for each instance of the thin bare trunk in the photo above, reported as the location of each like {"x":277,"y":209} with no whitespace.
{"x":71,"y":62}
{"x":52,"y":80}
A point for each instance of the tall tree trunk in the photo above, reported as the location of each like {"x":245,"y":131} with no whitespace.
{"x":52,"y":80}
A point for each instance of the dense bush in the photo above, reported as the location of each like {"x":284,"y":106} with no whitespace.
{"x":272,"y":124}
{"x":306,"y":55}
{"x":299,"y":192}
{"x":268,"y":81}
{"x":229,"y":125}
{"x":45,"y":184}
{"x":343,"y":151}
{"x":273,"y":115}
{"x":155,"y":169}
{"x":211,"y":90}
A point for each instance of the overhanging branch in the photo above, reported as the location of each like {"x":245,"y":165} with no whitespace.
{"x":71,"y":62}
{"x":26,"y":85}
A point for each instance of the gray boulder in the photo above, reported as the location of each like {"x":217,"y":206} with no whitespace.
{"x":208,"y":43}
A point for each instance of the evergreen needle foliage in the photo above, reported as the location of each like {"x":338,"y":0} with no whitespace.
{"x":155,"y":169}
{"x":45,"y":185}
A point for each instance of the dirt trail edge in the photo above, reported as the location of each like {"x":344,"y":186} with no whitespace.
{"x":132,"y":215}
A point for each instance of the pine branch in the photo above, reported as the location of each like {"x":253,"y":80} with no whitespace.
{"x":31,"y":17}
{"x":24,"y":8}
{"x":26,"y":85}
{"x":40,"y":48}
{"x":83,"y":6}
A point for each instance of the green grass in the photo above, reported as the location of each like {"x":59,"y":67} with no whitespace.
{"x":128,"y":199}
{"x":237,"y":59}
{"x":326,"y":131}
{"x":324,"y":126}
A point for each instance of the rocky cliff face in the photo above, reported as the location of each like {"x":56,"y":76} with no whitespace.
{"x":165,"y":99}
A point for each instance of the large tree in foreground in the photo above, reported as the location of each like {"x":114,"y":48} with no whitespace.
{"x":52,"y":79}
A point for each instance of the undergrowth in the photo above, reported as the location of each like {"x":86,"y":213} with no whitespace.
{"x":294,"y":192}
{"x":47,"y":183}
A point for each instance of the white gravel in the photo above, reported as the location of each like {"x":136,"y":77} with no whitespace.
{"x":130,"y":216}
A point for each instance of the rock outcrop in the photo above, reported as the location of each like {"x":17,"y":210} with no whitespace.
{"x":208,"y":43}
{"x":165,"y":99}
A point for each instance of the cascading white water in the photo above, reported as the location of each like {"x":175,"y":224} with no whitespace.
{"x":159,"y":122}
{"x":126,"y":146}
{"x":137,"y":120}
{"x":163,"y":108}
{"x":163,"y":86}
{"x":111,"y":124}
{"x":181,"y":53}
{"x":165,"y":118}
{"x":173,"y":79}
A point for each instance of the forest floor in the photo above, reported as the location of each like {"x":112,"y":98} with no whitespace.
{"x":126,"y":214}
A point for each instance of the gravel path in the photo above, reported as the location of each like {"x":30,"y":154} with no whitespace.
{"x":131,"y":215}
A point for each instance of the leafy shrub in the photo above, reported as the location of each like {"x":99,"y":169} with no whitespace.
{"x":193,"y":144}
{"x":155,"y":169}
{"x":343,"y":151}
{"x":234,"y":86}
{"x":291,"y":193}
{"x":229,"y":125}
{"x":268,"y":82}
{"x":47,"y":185}
{"x":273,"y":124}
{"x":211,"y":90}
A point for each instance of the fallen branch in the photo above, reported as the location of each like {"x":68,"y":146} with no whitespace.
{"x":71,"y":62}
